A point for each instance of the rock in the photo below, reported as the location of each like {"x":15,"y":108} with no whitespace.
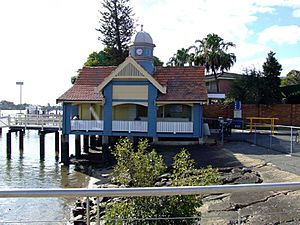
{"x":168,"y":183}
{"x":78,"y":211}
{"x":164,"y":180}
{"x":246,"y":170}
{"x":105,"y":175}
{"x":225,"y":170}
{"x":159,"y":184}
{"x":78,"y":220}
{"x":78,"y":203}
{"x":165,"y":175}
{"x":105,"y":199}
{"x":247,"y":178}
{"x":237,"y":170}
{"x":229,"y":178}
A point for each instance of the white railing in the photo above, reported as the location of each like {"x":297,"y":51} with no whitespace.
{"x":36,"y":120}
{"x":87,"y":125}
{"x":175,"y":127}
{"x":4,"y":121}
{"x":147,"y":191}
{"x":130,"y":126}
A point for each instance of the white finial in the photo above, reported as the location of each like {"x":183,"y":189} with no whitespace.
{"x":142,"y":26}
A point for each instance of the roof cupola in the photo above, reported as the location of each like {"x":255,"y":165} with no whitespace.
{"x":141,"y":49}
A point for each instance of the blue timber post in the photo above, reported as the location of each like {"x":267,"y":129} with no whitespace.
{"x":152,"y":95}
{"x":66,"y":126}
{"x":66,"y":129}
{"x":198,"y":120}
{"x":108,"y":110}
{"x":74,"y":111}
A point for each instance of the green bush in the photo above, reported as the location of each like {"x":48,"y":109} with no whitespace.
{"x":141,"y":168}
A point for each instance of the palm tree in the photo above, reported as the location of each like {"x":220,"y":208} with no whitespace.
{"x":212,"y":53}
{"x":181,"y":57}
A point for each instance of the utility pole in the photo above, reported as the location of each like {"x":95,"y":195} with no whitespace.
{"x":21,"y":84}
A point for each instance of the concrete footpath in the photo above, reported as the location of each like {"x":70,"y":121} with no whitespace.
{"x":283,"y":161}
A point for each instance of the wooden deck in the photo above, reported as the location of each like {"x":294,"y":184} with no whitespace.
{"x":32,"y":121}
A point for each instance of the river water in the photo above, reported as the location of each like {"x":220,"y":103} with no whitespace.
{"x":27,"y":171}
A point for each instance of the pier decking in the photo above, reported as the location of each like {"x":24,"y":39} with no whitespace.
{"x":45,"y":124}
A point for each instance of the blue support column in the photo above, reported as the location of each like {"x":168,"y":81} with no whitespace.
{"x":108,"y":110}
{"x":74,"y":111}
{"x":197,"y":120}
{"x":66,"y":126}
{"x":152,"y":111}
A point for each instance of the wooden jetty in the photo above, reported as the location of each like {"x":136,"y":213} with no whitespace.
{"x":44,"y":124}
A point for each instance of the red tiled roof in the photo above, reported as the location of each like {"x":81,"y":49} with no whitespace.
{"x":84,"y":88}
{"x":183,"y":84}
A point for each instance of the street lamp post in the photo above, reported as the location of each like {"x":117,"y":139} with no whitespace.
{"x":21,"y":84}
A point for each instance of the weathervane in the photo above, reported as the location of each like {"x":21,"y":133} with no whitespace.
{"x":142,"y":26}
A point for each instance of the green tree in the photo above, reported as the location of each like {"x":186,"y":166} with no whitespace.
{"x":271,"y":71}
{"x":116,"y":27}
{"x":211,"y":52}
{"x":248,"y":88}
{"x":292,"y":78}
{"x":157,"y":61}
{"x":181,"y":58}
{"x":144,"y":170}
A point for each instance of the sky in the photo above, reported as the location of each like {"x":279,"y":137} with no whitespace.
{"x":44,"y":42}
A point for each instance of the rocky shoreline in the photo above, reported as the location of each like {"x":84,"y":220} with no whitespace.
{"x":228,"y":175}
{"x":262,"y":208}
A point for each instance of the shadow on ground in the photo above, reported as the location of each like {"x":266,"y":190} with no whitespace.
{"x":202,"y":155}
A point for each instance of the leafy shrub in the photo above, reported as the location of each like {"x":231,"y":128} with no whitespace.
{"x":141,"y":168}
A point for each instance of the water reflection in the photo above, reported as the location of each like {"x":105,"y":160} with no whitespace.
{"x":25,"y":170}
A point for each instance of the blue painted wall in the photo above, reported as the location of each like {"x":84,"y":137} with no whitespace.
{"x":146,"y":58}
{"x":108,"y":109}
{"x":66,"y":125}
{"x":152,"y":110}
{"x":74,"y":110}
{"x":197,"y":120}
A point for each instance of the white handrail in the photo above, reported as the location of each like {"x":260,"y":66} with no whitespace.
{"x":146,"y":191}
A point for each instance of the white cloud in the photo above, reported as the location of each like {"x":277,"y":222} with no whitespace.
{"x":43,"y":43}
{"x":288,"y":64}
{"x":174,"y":24}
{"x":280,"y":34}
{"x":296,"y":13}
{"x":272,"y":3}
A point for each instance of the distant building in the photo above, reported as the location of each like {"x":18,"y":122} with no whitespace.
{"x":225,"y":81}
{"x":136,"y":98}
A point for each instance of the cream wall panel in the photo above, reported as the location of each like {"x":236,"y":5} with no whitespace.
{"x":134,"y":92}
{"x":85,"y":113}
{"x":120,"y":112}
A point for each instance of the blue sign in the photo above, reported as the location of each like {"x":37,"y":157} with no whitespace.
{"x":237,"y":105}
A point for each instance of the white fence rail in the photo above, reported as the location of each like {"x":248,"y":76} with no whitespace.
{"x":175,"y":127}
{"x":36,"y":120}
{"x":87,"y":125}
{"x":147,"y":191}
{"x":130,"y":126}
{"x":4,"y":121}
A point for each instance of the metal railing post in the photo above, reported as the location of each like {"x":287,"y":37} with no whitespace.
{"x":255,"y":133}
{"x":271,"y":137}
{"x":291,"y":145}
{"x":98,"y":210}
{"x":87,"y":210}
{"x":222,"y":134}
{"x":239,"y":216}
